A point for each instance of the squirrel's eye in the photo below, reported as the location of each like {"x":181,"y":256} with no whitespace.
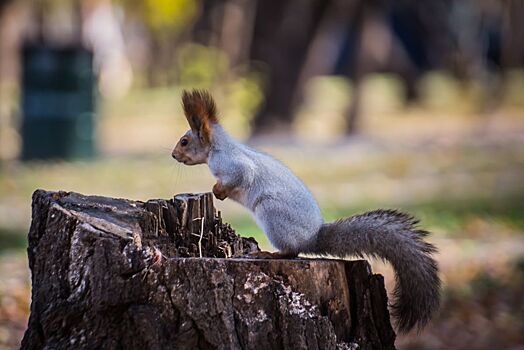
{"x":184,"y":142}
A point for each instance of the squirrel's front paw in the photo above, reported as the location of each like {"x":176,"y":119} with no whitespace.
{"x":219,"y":191}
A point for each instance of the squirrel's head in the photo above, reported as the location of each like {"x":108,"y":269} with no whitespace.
{"x":200,"y":111}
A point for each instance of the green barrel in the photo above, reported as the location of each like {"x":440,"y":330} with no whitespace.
{"x":58,"y":103}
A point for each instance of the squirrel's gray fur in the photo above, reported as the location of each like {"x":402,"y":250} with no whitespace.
{"x":291,"y":218}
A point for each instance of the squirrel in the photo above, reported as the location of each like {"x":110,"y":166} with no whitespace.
{"x":291,"y":218}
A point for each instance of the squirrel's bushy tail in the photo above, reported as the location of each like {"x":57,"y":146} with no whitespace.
{"x":392,"y":236}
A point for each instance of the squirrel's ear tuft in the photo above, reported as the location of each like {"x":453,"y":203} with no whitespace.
{"x":200,"y":103}
{"x":200,"y":110}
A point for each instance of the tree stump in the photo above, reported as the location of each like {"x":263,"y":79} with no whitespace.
{"x":119,"y":274}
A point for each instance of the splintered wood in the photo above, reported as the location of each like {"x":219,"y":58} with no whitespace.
{"x":191,"y":223}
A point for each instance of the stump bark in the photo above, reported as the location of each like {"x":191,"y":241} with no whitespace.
{"x":119,"y":274}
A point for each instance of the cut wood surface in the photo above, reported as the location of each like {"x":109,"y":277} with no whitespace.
{"x":119,"y":274}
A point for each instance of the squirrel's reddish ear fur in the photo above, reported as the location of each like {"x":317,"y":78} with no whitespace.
{"x":200,"y":111}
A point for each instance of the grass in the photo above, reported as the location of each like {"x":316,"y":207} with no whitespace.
{"x":452,"y":216}
{"x":12,"y":240}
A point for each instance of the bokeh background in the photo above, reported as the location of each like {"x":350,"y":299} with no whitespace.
{"x":416,"y":105}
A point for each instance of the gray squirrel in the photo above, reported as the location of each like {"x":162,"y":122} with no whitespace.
{"x":290,"y":216}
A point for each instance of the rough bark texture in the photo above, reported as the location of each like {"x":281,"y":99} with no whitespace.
{"x":119,"y":274}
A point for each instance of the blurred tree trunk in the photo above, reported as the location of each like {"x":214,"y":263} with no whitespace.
{"x":3,"y":30}
{"x":513,"y":32}
{"x":205,"y":24}
{"x":328,"y":43}
{"x":353,"y":60}
{"x":236,"y":30}
{"x":282,"y":34}
{"x":385,"y":37}
{"x":3,"y":5}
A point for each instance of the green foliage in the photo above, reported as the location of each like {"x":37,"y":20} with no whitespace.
{"x":200,"y":66}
